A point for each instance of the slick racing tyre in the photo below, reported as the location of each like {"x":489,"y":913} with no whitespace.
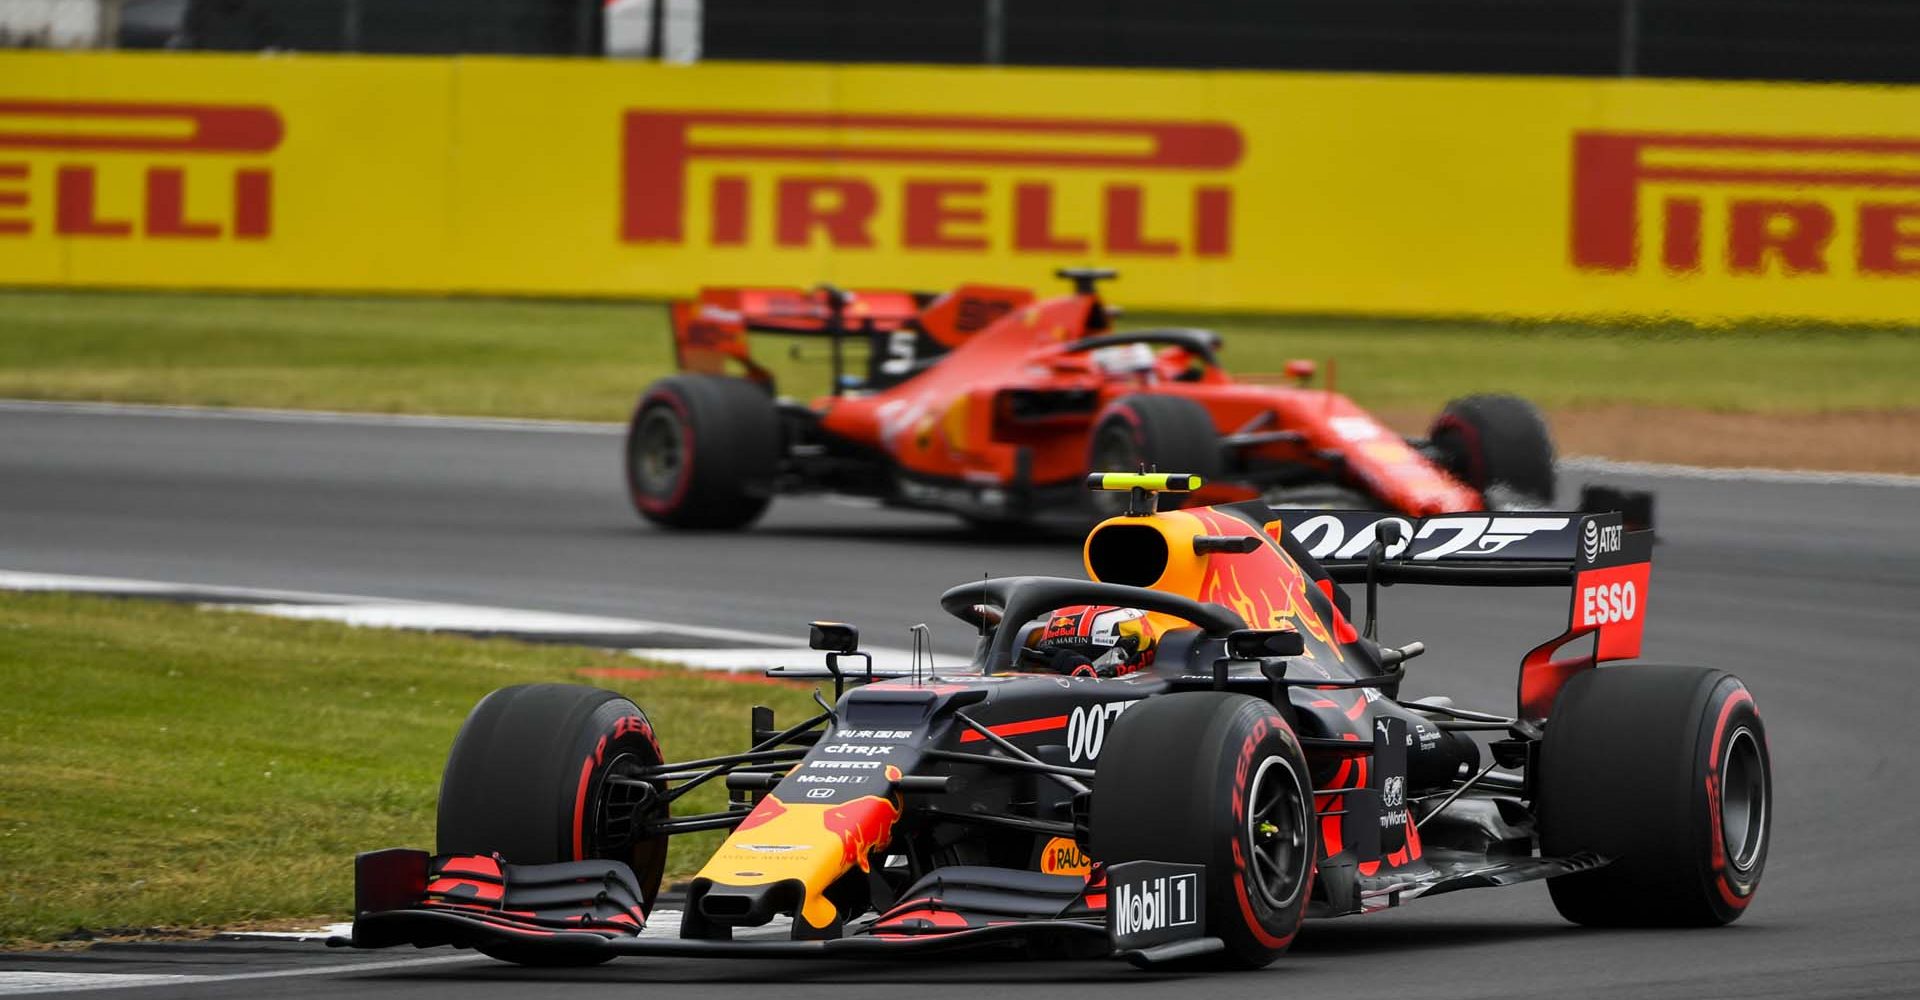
{"x":1664,"y":770}
{"x":1235,"y":796}
{"x":1498,"y":445}
{"x":527,"y":780}
{"x":1163,"y":433}
{"x":702,"y":451}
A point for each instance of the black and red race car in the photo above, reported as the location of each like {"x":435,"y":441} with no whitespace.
{"x":994,"y":404}
{"x":1259,"y":767}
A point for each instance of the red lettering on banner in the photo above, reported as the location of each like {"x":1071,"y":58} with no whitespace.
{"x":13,"y":199}
{"x":661,"y":148}
{"x":157,"y":192}
{"x":1831,"y":176}
{"x":843,"y":216}
{"x":1033,"y":222}
{"x":1681,"y":247}
{"x":74,"y":208}
{"x":252,"y":204}
{"x":1794,"y":232}
{"x":729,"y":211}
{"x":1886,"y":245}
{"x":929,"y":212}
{"x":1212,"y":221}
{"x":167,"y":206}
{"x":1125,"y":206}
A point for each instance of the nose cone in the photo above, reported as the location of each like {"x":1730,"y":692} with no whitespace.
{"x":784,"y":855}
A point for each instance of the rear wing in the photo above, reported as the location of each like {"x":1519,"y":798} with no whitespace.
{"x":905,"y":330}
{"x":1607,"y":567}
{"x":711,"y":329}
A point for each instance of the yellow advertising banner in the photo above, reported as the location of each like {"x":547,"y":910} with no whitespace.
{"x":1208,"y":190}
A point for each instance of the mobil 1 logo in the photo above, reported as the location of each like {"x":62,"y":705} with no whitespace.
{"x":1151,"y":903}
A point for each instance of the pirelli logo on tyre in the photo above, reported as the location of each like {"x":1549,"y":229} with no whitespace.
{"x":137,"y":170}
{"x":929,"y":183}
{"x":1746,"y":205}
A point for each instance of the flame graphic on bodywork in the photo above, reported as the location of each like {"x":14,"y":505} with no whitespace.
{"x":1263,"y":586}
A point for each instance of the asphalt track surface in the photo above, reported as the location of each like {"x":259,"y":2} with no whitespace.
{"x":1809,"y":592}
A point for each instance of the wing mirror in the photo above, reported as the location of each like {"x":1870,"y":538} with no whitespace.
{"x":833,"y":637}
{"x":838,"y":639}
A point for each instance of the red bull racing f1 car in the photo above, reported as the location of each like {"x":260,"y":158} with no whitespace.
{"x":1177,"y":759}
{"x":994,"y":404}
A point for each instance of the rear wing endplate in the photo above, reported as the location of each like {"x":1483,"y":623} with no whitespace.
{"x":1607,"y":567}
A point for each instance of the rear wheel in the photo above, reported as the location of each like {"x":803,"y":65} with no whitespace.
{"x":702,"y":452}
{"x":1239,"y":802}
{"x":528,"y":779}
{"x":1498,"y":445}
{"x":1666,"y":771}
{"x":1164,"y":433}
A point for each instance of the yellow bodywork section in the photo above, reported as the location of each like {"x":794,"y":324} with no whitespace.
{"x":811,"y":843}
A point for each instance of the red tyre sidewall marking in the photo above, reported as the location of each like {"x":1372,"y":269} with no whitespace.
{"x":1476,"y":455}
{"x":1719,"y":860}
{"x":648,"y":503}
{"x":1241,"y":773}
{"x":580,"y":798}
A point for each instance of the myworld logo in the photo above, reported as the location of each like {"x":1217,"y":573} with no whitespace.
{"x":802,"y":180}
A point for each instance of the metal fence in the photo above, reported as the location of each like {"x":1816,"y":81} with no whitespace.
{"x":1863,"y":40}
{"x":1873,"y":40}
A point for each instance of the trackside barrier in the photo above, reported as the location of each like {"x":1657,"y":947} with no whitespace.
{"x":1218,"y":190}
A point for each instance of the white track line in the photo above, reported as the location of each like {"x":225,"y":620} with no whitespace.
{"x":1572,"y":463}
{"x":378,"y":612}
{"x":70,"y":982}
{"x":701,"y":648}
{"x":264,"y":415}
{"x":12,"y":983}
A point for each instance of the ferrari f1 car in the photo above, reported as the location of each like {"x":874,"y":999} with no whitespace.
{"x":995,"y":405}
{"x":1261,"y":766}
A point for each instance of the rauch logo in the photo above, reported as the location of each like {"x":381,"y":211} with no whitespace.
{"x":812,"y":197}
{"x":1870,"y":186}
{"x":215,"y":147}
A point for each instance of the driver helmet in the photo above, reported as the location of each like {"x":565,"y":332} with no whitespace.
{"x":1125,"y":359}
{"x":1091,"y":640}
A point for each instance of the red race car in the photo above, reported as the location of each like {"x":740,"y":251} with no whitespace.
{"x":993,"y":404}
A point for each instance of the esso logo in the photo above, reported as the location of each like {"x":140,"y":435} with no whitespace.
{"x":1087,"y":729}
{"x":1606,"y":604}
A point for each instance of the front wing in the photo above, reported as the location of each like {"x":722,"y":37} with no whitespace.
{"x":587,"y":911}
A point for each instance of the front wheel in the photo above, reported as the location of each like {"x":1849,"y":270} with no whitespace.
{"x":531,"y":775}
{"x":1220,"y":781}
{"x":1665,"y":771}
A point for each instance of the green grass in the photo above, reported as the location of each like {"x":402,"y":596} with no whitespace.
{"x":587,"y":360}
{"x":167,"y":767}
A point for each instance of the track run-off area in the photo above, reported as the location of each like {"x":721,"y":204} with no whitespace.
{"x":1806,"y":586}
